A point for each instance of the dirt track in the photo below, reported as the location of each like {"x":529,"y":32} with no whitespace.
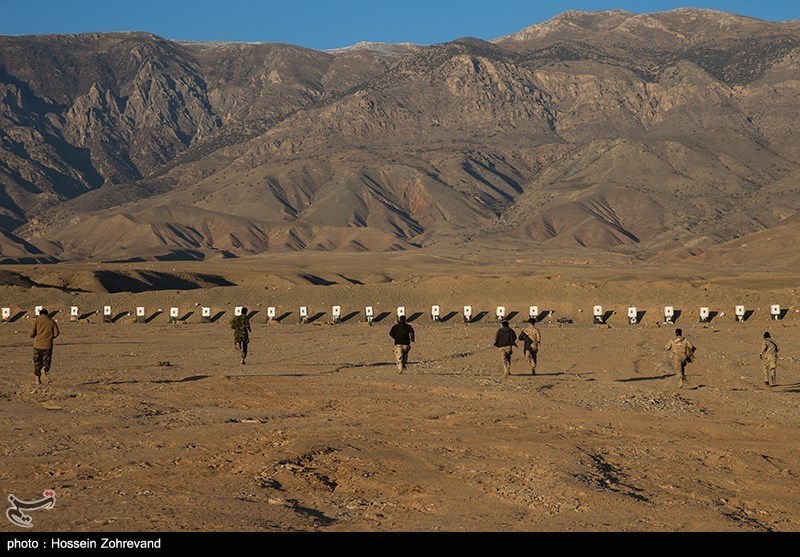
{"x":319,"y":432}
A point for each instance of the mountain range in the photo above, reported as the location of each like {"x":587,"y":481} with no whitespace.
{"x":667,"y":136}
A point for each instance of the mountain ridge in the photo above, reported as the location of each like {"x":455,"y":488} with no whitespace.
{"x":620,"y":134}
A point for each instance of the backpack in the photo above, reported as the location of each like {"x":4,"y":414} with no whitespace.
{"x":689,"y":353}
{"x":773,"y":343}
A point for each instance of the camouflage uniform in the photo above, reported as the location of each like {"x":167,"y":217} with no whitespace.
{"x":682,"y":353}
{"x":505,"y":358}
{"x":532,"y":339}
{"x":769,"y":357}
{"x":241,"y":334}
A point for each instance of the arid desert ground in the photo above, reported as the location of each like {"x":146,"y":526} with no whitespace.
{"x":158,"y":427}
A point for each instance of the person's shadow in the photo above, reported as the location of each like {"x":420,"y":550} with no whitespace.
{"x":651,"y":378}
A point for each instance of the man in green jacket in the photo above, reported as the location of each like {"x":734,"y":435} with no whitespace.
{"x":43,"y":331}
{"x":769,"y":357}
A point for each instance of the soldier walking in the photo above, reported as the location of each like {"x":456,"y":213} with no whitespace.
{"x":403,"y":335}
{"x":505,"y":340}
{"x":43,"y":331}
{"x":241,"y":333}
{"x":531,"y":339}
{"x":682,"y":353}
{"x":769,"y":357}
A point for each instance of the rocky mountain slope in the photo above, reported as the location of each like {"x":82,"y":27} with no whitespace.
{"x":656,"y":135}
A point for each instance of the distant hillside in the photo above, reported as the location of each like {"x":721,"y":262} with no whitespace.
{"x":652,"y":135}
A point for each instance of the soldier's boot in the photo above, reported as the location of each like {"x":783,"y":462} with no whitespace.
{"x":39,"y":378}
{"x":43,"y":377}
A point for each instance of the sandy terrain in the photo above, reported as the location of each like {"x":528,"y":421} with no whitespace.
{"x":319,"y":432}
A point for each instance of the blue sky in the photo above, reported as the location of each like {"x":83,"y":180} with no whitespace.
{"x":324,"y":24}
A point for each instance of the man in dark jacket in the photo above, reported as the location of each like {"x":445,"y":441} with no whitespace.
{"x":403,"y":335}
{"x":43,"y":331}
{"x":506,"y":340}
